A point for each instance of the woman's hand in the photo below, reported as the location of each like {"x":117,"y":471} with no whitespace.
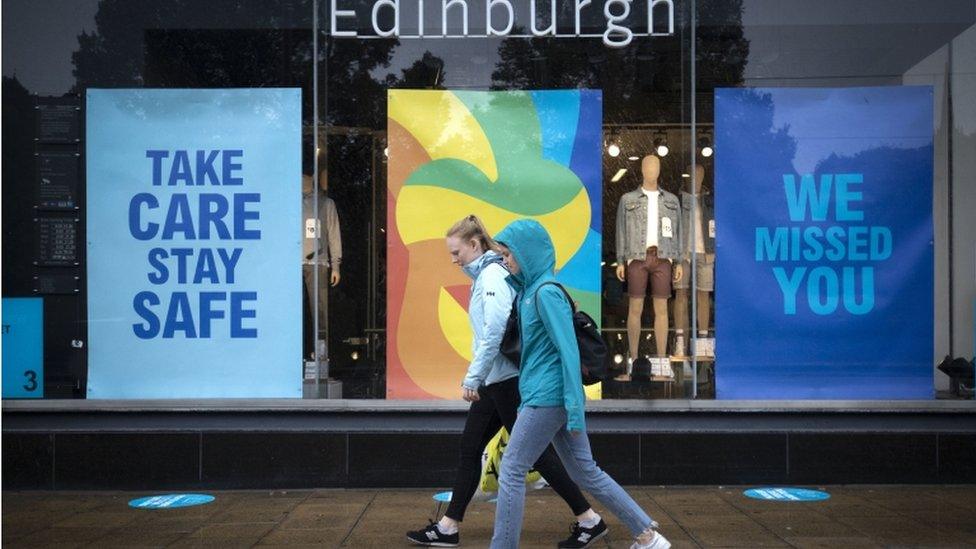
{"x":470,"y":395}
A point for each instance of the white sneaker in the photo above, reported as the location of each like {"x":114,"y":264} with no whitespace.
{"x":657,"y":542}
{"x":666,"y":368}
{"x":703,"y":346}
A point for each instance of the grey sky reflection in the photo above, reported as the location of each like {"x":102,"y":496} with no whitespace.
{"x":38,"y":39}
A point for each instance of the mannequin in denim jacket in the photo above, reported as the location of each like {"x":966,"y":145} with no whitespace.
{"x":650,"y":171}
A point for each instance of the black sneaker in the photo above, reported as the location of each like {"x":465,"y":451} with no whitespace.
{"x":581,"y":537}
{"x":432,"y":537}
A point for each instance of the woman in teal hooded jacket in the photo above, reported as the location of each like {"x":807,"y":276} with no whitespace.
{"x":551,"y":388}
{"x":491,"y":386}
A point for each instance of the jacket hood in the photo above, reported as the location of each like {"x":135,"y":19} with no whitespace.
{"x":474,"y":268}
{"x":532,"y":248}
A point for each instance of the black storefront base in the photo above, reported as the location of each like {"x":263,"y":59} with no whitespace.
{"x":168,"y":445}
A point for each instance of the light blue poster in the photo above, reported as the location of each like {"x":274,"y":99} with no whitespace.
{"x":824,"y":243}
{"x":194,"y":272}
{"x":23,"y":347}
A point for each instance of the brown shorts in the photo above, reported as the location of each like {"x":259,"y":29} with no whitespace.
{"x":653,"y":267}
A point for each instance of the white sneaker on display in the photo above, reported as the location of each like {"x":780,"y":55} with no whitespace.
{"x":655,"y":366}
{"x":660,"y":366}
{"x":666,"y":369}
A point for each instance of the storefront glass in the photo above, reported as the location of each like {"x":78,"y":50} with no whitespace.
{"x":806,"y":171}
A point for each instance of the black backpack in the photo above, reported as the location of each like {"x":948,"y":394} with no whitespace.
{"x":594,"y":357}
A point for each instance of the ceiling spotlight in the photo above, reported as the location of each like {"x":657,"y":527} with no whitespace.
{"x":633,"y":158}
{"x":386,"y":151}
{"x":661,"y":144}
{"x":613,"y":142}
{"x":706,"y":147}
{"x":618,"y":358}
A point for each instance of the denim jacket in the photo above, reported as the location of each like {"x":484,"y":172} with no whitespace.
{"x":706,"y":206}
{"x":632,"y":226}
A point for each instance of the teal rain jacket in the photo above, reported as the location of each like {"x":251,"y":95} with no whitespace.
{"x":491,"y":302}
{"x":550,"y":369}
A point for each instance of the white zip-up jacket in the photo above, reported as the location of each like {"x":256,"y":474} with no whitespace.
{"x":491,"y":302}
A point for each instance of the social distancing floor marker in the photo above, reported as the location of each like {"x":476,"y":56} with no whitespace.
{"x":786,"y":494}
{"x":170,"y":501}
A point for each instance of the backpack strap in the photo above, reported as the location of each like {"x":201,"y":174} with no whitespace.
{"x":572,"y":304}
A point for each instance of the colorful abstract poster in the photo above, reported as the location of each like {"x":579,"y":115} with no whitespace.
{"x":501,"y":156}
{"x":824,"y":243}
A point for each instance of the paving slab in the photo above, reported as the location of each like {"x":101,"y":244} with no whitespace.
{"x":691,"y":517}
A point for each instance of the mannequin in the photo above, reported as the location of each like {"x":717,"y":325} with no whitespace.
{"x":648,"y":233}
{"x":699,"y":240}
{"x":325,"y":234}
{"x":333,"y":235}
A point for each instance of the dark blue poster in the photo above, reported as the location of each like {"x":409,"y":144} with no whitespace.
{"x":823,"y":214}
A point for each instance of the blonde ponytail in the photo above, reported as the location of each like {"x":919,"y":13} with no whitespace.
{"x":471,"y":228}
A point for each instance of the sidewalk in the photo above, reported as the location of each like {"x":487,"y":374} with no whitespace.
{"x":854,"y":517}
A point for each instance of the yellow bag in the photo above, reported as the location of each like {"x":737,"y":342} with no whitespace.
{"x":492,"y":464}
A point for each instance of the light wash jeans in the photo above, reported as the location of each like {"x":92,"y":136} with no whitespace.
{"x":534,"y":429}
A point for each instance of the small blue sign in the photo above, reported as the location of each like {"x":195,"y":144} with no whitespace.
{"x":23,"y":347}
{"x":443,"y":497}
{"x":786,"y":494}
{"x":170,"y":501}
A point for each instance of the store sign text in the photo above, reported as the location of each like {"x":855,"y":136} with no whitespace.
{"x":500,"y":19}
{"x":194,"y":217}
{"x":835,"y":235}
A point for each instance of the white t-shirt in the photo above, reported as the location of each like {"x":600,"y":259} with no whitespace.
{"x":652,"y":216}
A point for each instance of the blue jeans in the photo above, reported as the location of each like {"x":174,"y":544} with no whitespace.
{"x":534,"y":429}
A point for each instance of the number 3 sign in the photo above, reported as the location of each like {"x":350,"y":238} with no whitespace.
{"x":23,"y":347}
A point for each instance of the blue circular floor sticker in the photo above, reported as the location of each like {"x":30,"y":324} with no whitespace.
{"x":786,"y":494}
{"x":170,"y":501}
